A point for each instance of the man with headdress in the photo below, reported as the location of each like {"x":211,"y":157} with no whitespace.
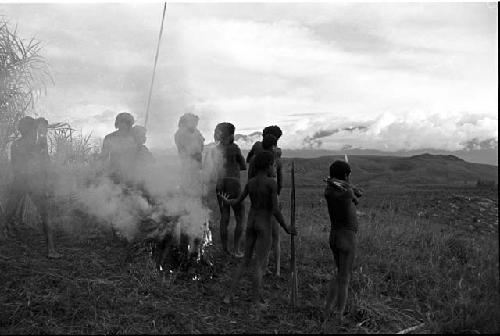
{"x":119,"y":150}
{"x":30,"y":159}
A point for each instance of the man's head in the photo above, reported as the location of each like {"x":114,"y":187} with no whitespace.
{"x":139,"y":133}
{"x":273,"y":130}
{"x":124,"y":121}
{"x":224,"y":133}
{"x":42,"y":126}
{"x":264,"y":161}
{"x":26,"y":126}
{"x":340,"y":170}
{"x":269,"y":142}
{"x":188,"y":121}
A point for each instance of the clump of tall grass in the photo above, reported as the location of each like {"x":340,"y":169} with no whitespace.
{"x":24,"y":74}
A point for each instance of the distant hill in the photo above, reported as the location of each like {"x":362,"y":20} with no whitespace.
{"x":485,"y":155}
{"x":482,"y":152}
{"x":373,"y":170}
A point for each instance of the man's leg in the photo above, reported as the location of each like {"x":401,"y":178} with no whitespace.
{"x":346,"y":261}
{"x":15,"y":197}
{"x":239,"y":215}
{"x":332,"y":288}
{"x":224,"y":222}
{"x":262,"y":248}
{"x":276,"y":245}
{"x":41,"y":201}
{"x":245,"y":263}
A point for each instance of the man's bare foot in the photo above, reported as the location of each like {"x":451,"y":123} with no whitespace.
{"x":53,"y":254}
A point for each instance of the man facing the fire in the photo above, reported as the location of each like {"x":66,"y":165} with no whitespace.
{"x":119,"y":150}
{"x":229,"y":163}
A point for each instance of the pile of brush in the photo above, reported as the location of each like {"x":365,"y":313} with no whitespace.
{"x":174,"y":251}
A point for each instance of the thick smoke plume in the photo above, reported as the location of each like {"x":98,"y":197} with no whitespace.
{"x":164,"y":188}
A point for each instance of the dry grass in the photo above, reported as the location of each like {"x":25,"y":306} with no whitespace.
{"x":408,"y":270}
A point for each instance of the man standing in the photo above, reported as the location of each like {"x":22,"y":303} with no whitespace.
{"x":229,"y":163}
{"x":257,"y":147}
{"x":30,"y":160}
{"x":188,"y":139}
{"x":270,"y":136}
{"x":119,"y":150}
{"x":190,"y":142}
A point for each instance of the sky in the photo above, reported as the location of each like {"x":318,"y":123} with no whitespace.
{"x":376,"y":76}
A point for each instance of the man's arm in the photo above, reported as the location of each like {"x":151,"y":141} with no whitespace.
{"x":250,"y":154}
{"x":241,"y":160}
{"x":106,"y":149}
{"x":179,"y":142}
{"x":235,"y":201}
{"x":279,"y":176}
{"x":276,"y":210}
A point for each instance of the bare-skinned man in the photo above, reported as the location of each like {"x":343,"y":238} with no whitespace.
{"x":269,"y":143}
{"x":264,"y":205}
{"x":30,"y":160}
{"x":231,"y":162}
{"x":341,"y":198}
{"x":119,"y":150}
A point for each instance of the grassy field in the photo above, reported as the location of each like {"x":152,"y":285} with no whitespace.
{"x":428,"y":255}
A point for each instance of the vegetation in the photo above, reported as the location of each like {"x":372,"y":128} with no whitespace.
{"x":428,"y":252}
{"x":24,"y":74}
{"x":418,"y":262}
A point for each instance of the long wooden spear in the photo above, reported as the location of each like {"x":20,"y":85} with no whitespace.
{"x":154,"y":67}
{"x":293,"y":266}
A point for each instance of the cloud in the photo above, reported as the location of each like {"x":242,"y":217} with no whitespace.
{"x":407,"y":72}
{"x":314,"y":141}
{"x":394,"y":133}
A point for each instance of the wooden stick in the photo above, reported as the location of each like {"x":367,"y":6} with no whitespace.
{"x":154,"y":67}
{"x":293,"y":293}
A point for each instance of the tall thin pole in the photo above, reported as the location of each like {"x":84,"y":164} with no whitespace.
{"x":293,"y":266}
{"x":154,"y":68}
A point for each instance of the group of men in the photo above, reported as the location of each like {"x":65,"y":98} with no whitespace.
{"x":124,"y":150}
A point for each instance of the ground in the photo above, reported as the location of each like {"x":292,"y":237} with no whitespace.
{"x":427,"y":256}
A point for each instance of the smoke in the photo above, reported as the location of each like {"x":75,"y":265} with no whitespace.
{"x":168,"y":187}
{"x":114,"y":206}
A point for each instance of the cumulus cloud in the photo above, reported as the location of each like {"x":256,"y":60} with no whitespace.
{"x":391,"y":132}
{"x":415,"y":75}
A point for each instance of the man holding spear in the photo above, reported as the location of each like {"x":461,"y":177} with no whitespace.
{"x":262,"y":190}
{"x":341,"y":197}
